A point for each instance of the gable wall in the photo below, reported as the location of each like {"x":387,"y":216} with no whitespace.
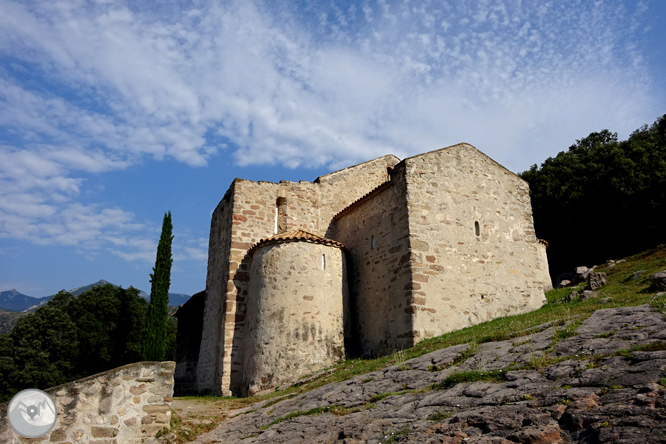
{"x":460,"y":278}
{"x":379,"y":277}
{"x":341,"y":188}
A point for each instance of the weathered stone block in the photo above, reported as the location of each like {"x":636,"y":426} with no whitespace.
{"x":659,"y":280}
{"x":596,"y":280}
{"x":152,"y":429}
{"x":156,"y":408}
{"x":58,"y":435}
{"x":104,"y":432}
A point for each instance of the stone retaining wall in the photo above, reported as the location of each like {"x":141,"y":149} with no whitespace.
{"x":120,"y":406}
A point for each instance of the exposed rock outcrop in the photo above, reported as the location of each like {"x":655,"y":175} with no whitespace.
{"x":600,"y":385}
{"x":659,"y":280}
{"x":596,"y":280}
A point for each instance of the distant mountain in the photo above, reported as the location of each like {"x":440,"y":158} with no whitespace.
{"x":13,"y":304}
{"x":15,"y":301}
{"x":78,"y":290}
{"x":176,"y":299}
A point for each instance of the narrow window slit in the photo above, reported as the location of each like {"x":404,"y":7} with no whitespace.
{"x":477,"y":228}
{"x":281,"y":215}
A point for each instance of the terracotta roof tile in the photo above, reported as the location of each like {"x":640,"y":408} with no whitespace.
{"x":297,"y":235}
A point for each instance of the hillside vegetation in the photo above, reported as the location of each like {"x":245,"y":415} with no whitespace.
{"x":564,"y":317}
{"x":72,"y":337}
{"x":601,"y":199}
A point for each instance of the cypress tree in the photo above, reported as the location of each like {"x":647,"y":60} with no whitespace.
{"x":154,"y":346}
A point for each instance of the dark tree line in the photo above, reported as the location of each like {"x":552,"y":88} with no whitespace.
{"x":76,"y":336}
{"x":603,"y":198}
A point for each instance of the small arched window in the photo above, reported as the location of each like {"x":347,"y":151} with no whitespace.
{"x":477,"y":228}
{"x":281,"y":215}
{"x":323,"y":262}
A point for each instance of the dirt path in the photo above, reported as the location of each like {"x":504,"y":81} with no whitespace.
{"x":194,"y":416}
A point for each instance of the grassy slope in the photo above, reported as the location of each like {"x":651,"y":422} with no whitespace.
{"x":622,"y":290}
{"x":8,"y":320}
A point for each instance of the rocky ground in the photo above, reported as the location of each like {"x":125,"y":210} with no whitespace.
{"x":592,"y":382}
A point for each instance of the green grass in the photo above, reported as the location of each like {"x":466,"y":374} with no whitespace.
{"x":379,"y":396}
{"x":395,"y":436}
{"x":569,"y":330}
{"x":655,"y":346}
{"x":471,"y":376}
{"x":337,"y":410}
{"x":440,"y":415}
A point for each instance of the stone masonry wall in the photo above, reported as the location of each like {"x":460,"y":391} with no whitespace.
{"x":188,"y":341}
{"x":120,"y":406}
{"x":209,"y":366}
{"x":246,"y":215}
{"x":341,"y":188}
{"x":253,"y":219}
{"x":296,"y":308}
{"x":376,"y":238}
{"x":471,"y":231}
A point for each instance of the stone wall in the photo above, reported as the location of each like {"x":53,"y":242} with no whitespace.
{"x":253,"y":219}
{"x":188,"y":341}
{"x":476,"y":256}
{"x":247,"y":214}
{"x":209,"y":367}
{"x":375,"y":234}
{"x":120,"y":406}
{"x":547,"y":281}
{"x":296,"y":307}
{"x":341,"y":188}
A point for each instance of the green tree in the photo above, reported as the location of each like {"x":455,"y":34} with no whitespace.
{"x":601,"y":199}
{"x":72,"y":337}
{"x":110,"y":322}
{"x":40,"y":351}
{"x":154,"y":346}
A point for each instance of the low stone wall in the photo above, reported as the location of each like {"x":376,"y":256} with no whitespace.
{"x":120,"y":406}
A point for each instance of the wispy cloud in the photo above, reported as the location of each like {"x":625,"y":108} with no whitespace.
{"x":92,"y":87}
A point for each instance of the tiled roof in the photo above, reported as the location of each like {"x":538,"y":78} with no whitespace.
{"x":297,"y":235}
{"x":381,"y":187}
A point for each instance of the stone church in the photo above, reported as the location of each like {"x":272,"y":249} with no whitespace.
{"x":363,"y":261}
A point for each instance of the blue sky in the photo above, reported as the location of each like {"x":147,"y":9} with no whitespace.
{"x":113,"y":113}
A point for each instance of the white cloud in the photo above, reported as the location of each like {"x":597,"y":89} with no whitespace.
{"x":97,"y":87}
